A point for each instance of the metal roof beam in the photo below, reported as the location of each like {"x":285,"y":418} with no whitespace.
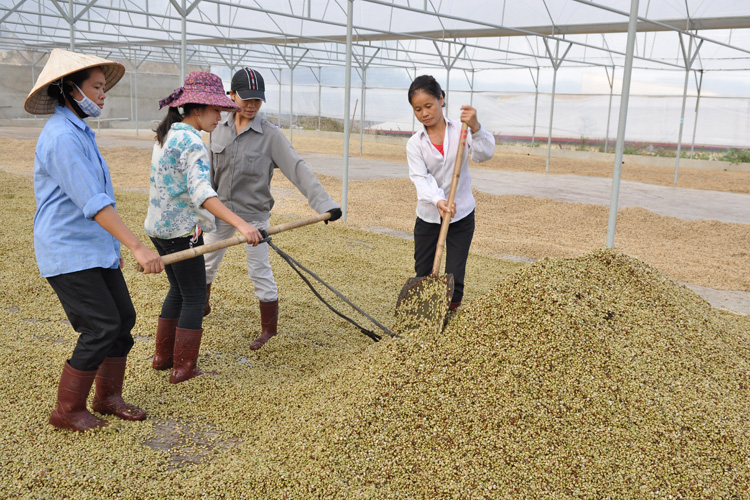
{"x":667,"y":27}
{"x":498,"y":28}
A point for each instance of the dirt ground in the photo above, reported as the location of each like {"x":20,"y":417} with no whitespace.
{"x":705,"y":253}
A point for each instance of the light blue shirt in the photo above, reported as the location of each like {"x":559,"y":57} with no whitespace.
{"x":71,"y":184}
{"x":179,"y":185}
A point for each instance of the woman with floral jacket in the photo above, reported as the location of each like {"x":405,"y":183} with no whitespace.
{"x":182,"y":206}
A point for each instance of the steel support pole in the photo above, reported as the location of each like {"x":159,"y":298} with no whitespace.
{"x":347,"y":105}
{"x":471,"y":94}
{"x":413,"y":116}
{"x":609,"y":107}
{"x":448,"y":81}
{"x":689,"y":57}
{"x":135,"y":87}
{"x":682,"y":121}
{"x":697,"y":107}
{"x":71,"y":22}
{"x":556,"y":63}
{"x":551,"y":116}
{"x":130,"y":77}
{"x":292,"y":66}
{"x":280,"y":94}
{"x":622,"y":122}
{"x":447,"y":88}
{"x":320,"y":93}
{"x":536,"y":103}
{"x":33,"y":66}
{"x":291,"y":100}
{"x":183,"y":43}
{"x":362,"y":111}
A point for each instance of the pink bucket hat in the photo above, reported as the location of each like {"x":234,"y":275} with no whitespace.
{"x":201,"y":87}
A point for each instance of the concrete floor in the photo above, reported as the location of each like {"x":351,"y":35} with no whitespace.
{"x":683,"y":203}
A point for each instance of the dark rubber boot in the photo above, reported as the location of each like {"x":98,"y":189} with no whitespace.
{"x":269,"y":317}
{"x":186,"y":347}
{"x":70,"y":411}
{"x":108,"y":395}
{"x":207,"y":305}
{"x":165,"y":332}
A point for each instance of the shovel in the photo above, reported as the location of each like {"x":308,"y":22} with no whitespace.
{"x":236,"y":240}
{"x":424,"y":301}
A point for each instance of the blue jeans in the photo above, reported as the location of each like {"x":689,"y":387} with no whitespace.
{"x":187,"y":283}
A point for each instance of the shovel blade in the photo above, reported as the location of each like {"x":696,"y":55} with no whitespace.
{"x":423,"y":303}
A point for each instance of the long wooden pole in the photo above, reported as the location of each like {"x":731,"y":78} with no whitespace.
{"x":451,"y":197}
{"x":236,"y":240}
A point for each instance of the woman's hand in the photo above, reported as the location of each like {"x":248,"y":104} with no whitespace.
{"x":442,"y":207}
{"x":469,"y":117}
{"x":250,"y":232}
{"x":149,"y":260}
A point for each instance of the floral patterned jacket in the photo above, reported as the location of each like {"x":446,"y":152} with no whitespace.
{"x":179,"y":185}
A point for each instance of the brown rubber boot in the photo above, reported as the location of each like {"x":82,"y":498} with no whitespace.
{"x":70,"y":411}
{"x":108,"y":395}
{"x":164,"y":343}
{"x":269,"y":317}
{"x":186,"y":346}
{"x":207,"y":305}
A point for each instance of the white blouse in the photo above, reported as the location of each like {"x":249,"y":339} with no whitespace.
{"x":432,"y":172}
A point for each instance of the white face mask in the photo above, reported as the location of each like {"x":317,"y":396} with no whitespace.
{"x":87,"y":105}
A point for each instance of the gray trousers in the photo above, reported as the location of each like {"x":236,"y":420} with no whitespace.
{"x":258,"y":268}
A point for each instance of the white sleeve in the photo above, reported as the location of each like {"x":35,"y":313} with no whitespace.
{"x":427,"y":187}
{"x":481,"y":145}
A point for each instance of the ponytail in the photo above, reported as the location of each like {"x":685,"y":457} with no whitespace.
{"x":173,"y":116}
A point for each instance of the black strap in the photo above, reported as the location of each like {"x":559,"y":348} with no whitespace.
{"x":295,"y":265}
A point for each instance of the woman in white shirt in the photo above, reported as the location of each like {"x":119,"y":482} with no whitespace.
{"x":431,"y":153}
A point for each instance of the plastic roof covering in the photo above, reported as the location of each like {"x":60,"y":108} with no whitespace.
{"x":387,"y":33}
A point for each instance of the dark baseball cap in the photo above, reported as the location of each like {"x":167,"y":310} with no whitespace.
{"x":249,"y":84}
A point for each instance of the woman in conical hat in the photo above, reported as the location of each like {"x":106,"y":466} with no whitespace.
{"x":77,"y":237}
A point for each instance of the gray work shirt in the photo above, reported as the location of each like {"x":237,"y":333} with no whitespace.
{"x":242,"y":167}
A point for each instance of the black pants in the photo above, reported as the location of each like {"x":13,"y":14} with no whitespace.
{"x":187,"y":283}
{"x":98,"y":306}
{"x":457,"y":244}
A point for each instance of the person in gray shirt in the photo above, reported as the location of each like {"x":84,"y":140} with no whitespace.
{"x":245,"y":148}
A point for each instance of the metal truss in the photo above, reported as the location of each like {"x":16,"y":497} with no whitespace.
{"x":228,"y":32}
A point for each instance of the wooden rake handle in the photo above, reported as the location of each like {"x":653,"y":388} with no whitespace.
{"x":451,"y":198}
{"x":236,"y":240}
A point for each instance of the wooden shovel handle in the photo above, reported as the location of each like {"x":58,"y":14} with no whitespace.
{"x":451,"y":198}
{"x":236,"y":240}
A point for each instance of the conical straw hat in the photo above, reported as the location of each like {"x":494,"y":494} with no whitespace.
{"x":63,"y":63}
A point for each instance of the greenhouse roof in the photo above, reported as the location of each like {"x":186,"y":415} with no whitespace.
{"x":469,"y":35}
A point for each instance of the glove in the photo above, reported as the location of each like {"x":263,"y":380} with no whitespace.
{"x":335,"y":215}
